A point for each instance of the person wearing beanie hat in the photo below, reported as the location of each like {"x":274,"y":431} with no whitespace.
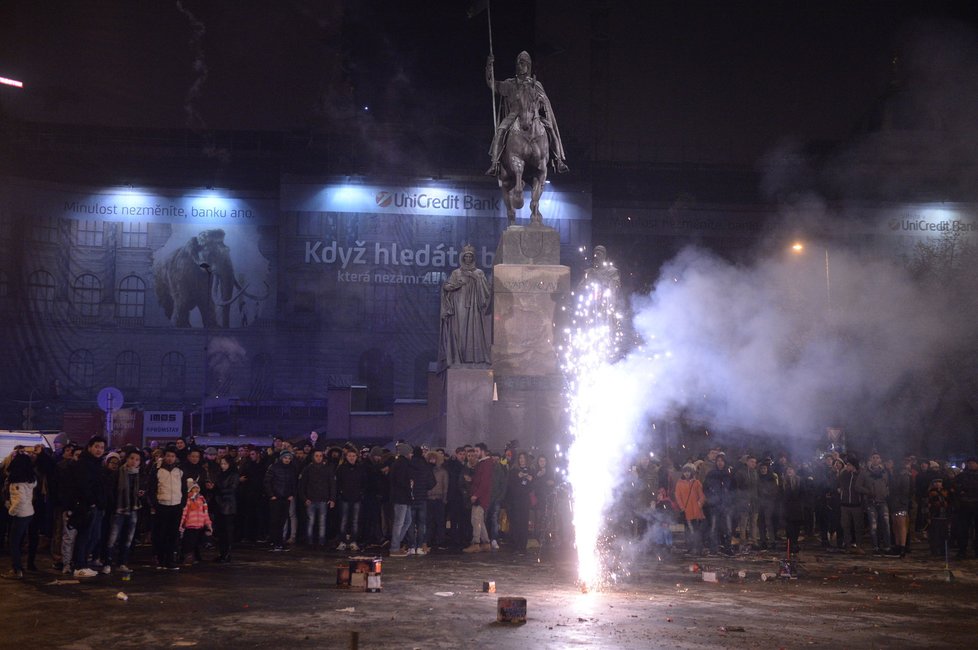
{"x":281,"y":485}
{"x":196,"y":519}
{"x":403,"y":449}
{"x":690,"y":499}
{"x":112,"y":455}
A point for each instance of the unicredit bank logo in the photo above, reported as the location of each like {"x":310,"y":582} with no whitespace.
{"x":384,"y":198}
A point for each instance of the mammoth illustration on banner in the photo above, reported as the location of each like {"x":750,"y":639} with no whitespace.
{"x":205,"y":275}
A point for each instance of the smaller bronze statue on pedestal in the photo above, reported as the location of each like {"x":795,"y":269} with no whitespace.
{"x":466,"y":301}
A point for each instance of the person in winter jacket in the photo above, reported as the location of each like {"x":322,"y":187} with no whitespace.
{"x":689,"y":498}
{"x":89,"y":501}
{"x":873,"y":485}
{"x":500,"y":473}
{"x":422,"y":480}
{"x":225,"y":506}
{"x":768,"y":503}
{"x":350,"y":483}
{"x":401,"y":496}
{"x":317,"y":490}
{"x":437,"y":499}
{"x":966,"y":511}
{"x":480,"y":495}
{"x":850,"y":504}
{"x":901,"y":498}
{"x":167,"y":492}
{"x":939,"y":517}
{"x":196,"y":520}
{"x":663,"y":516}
{"x":718,"y":491}
{"x":796,"y":496}
{"x":281,"y":486}
{"x":129,"y":491}
{"x":19,"y":485}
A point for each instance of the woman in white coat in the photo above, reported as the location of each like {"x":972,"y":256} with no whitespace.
{"x":19,"y":485}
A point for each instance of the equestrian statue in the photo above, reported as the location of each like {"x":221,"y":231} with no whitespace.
{"x":526,"y":139}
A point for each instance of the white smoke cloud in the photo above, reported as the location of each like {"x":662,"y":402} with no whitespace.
{"x":775,"y":348}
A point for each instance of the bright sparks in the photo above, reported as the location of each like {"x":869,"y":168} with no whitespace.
{"x":11,"y":82}
{"x":597,"y":422}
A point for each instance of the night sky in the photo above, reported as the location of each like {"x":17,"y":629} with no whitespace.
{"x":685,"y":77}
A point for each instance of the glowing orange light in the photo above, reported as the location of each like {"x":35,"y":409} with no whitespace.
{"x":797,"y":247}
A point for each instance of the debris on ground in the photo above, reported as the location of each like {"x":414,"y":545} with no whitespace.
{"x":346,"y":610}
{"x":445,"y":593}
{"x":63,"y":582}
{"x":121,"y":596}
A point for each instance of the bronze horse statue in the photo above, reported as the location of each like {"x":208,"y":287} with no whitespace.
{"x":525,"y":156}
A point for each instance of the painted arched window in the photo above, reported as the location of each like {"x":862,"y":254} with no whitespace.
{"x":86,"y":295}
{"x":40,"y":291}
{"x":173,"y":374}
{"x":81,"y":372}
{"x":131,"y":299}
{"x":127,"y":371}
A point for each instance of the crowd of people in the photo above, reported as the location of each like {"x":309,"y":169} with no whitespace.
{"x":92,"y":509}
{"x":879,"y":505}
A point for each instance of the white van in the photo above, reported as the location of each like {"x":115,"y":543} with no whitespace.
{"x":10,"y":439}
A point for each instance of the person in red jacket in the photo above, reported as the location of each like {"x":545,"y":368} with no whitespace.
{"x":481,"y":491}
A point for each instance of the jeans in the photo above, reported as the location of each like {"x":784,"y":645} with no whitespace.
{"x":480,"y":535}
{"x":721,"y":522}
{"x":852,"y":524}
{"x":68,"y":538}
{"x":492,"y":520}
{"x":402,"y":521}
{"x":436,"y":522}
{"x":293,"y":523}
{"x":416,"y":534}
{"x":120,"y":536}
{"x":766,"y":512}
{"x":18,"y":530}
{"x":316,"y":511}
{"x":349,"y":520}
{"x":87,"y":540}
{"x":878,"y":515}
{"x":694,"y":536}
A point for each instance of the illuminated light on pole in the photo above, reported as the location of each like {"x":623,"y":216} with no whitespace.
{"x":798,"y":247}
{"x":11,"y":82}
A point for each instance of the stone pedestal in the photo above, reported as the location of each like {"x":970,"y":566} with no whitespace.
{"x":534,"y":244}
{"x":467,"y":406}
{"x":528,"y":285}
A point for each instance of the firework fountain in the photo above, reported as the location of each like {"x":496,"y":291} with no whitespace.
{"x":599,"y":393}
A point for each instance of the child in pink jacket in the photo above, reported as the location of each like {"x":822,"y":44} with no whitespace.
{"x":196,"y":519}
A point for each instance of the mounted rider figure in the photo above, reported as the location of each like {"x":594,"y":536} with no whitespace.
{"x":511,"y":89}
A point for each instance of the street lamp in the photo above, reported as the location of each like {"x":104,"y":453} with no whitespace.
{"x":798,"y":248}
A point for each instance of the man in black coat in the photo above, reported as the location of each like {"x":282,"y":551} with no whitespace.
{"x":87,"y":499}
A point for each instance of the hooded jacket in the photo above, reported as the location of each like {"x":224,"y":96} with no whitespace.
{"x":281,"y":480}
{"x":317,"y":482}
{"x":873,"y":484}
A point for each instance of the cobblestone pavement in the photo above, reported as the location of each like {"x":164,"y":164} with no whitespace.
{"x":274,"y":600}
